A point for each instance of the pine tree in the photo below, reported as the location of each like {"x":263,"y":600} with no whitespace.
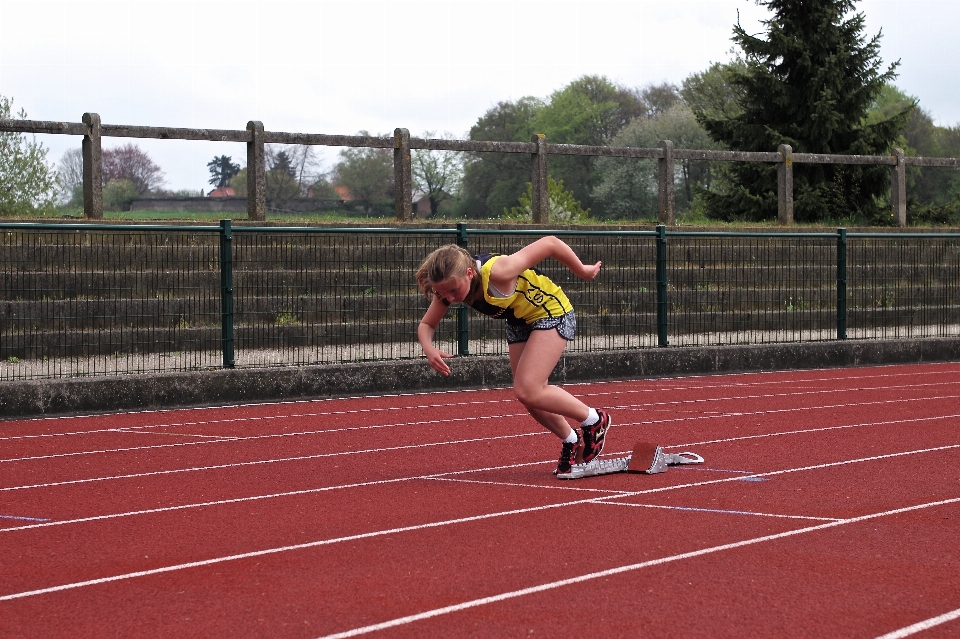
{"x":222,"y":169}
{"x":809,"y":84}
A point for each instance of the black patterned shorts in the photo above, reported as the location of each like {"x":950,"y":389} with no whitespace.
{"x":566,"y":325}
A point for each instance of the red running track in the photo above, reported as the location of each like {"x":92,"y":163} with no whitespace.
{"x":828,"y":506}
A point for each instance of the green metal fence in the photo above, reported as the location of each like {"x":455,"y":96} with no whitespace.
{"x":82,"y":299}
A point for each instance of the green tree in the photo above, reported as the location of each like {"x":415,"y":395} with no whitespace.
{"x":222,"y":169}
{"x":562,"y":205}
{"x":809,"y":84}
{"x":627,"y":188}
{"x":589,"y":111}
{"x":368,"y":174}
{"x":656,"y":99}
{"x":322,"y":189}
{"x":713,"y":93}
{"x":933,"y":194}
{"x":493,"y":181}
{"x":118,"y":194}
{"x":239,"y":183}
{"x":27,"y":183}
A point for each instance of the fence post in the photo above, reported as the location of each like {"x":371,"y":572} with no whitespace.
{"x":785,"y":186}
{"x":402,"y":175}
{"x":463,"y":313}
{"x":662,"y":283}
{"x":226,"y":293}
{"x":92,"y":154}
{"x":539,"y":195}
{"x":841,"y":283}
{"x":667,"y":194}
{"x":898,"y":189}
{"x":256,"y":173}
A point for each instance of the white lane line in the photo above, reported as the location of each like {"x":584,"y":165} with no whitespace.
{"x":300,"y":458}
{"x":719,"y":511}
{"x":513,"y":484}
{"x":237,"y":500}
{"x":481,"y":402}
{"x":440,"y":476}
{"x":237,"y":420}
{"x":476,"y":602}
{"x":134,"y":431}
{"x":737,"y":398}
{"x":229,"y":439}
{"x":601,"y":499}
{"x":923,"y":625}
{"x":292,"y":402}
{"x":436,"y":612}
{"x":271,"y":551}
{"x":277,"y":460}
{"x":19,"y":518}
{"x":249,"y":437}
{"x":728,"y":479}
{"x":933,"y":368}
{"x":641,"y":406}
{"x":812,"y":430}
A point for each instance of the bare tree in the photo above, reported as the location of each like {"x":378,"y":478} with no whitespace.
{"x":130,"y":162}
{"x":307,"y":167}
{"x":69,"y":174}
{"x":291,"y":171}
{"x":437,"y":174}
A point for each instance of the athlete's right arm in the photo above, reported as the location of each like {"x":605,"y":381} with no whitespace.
{"x":425,"y":331}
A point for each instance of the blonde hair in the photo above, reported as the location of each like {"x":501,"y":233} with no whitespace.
{"x":446,"y":262}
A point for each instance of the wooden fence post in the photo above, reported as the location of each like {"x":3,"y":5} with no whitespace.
{"x":898,"y":189}
{"x":92,"y":154}
{"x":402,"y":175}
{"x":667,"y":194}
{"x":539,"y":195}
{"x":256,"y":173}
{"x":785,"y":186}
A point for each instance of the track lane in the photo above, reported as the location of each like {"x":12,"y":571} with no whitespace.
{"x":210,"y":523}
{"x":284,"y":619}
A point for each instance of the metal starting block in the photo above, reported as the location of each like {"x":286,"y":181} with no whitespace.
{"x":648,"y":459}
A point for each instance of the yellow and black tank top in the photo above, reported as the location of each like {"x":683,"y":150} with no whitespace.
{"x":535,"y":297}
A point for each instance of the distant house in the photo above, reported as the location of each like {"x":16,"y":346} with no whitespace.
{"x":344,"y":193}
{"x":223,"y":191}
{"x":421,"y":204}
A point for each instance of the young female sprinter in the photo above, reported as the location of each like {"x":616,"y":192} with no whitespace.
{"x":540,"y":322}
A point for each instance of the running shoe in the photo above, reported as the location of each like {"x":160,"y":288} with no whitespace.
{"x":569,"y":455}
{"x":594,"y":436}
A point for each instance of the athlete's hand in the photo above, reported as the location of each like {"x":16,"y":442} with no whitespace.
{"x":435,"y":358}
{"x":590,"y":271}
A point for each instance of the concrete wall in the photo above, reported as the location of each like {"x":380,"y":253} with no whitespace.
{"x":169,"y":390}
{"x":230,"y":204}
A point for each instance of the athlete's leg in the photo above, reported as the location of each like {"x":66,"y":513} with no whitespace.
{"x":532,"y":362}
{"x":556,"y":424}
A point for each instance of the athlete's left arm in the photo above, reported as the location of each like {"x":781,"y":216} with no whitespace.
{"x":508,"y":268}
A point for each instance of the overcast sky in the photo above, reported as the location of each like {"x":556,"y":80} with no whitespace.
{"x":341,"y":67}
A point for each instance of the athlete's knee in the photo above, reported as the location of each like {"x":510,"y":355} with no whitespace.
{"x":527,"y":394}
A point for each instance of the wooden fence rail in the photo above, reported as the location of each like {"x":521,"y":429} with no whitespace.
{"x":539,"y":149}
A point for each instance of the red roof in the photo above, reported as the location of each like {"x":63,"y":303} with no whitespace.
{"x":223,"y":191}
